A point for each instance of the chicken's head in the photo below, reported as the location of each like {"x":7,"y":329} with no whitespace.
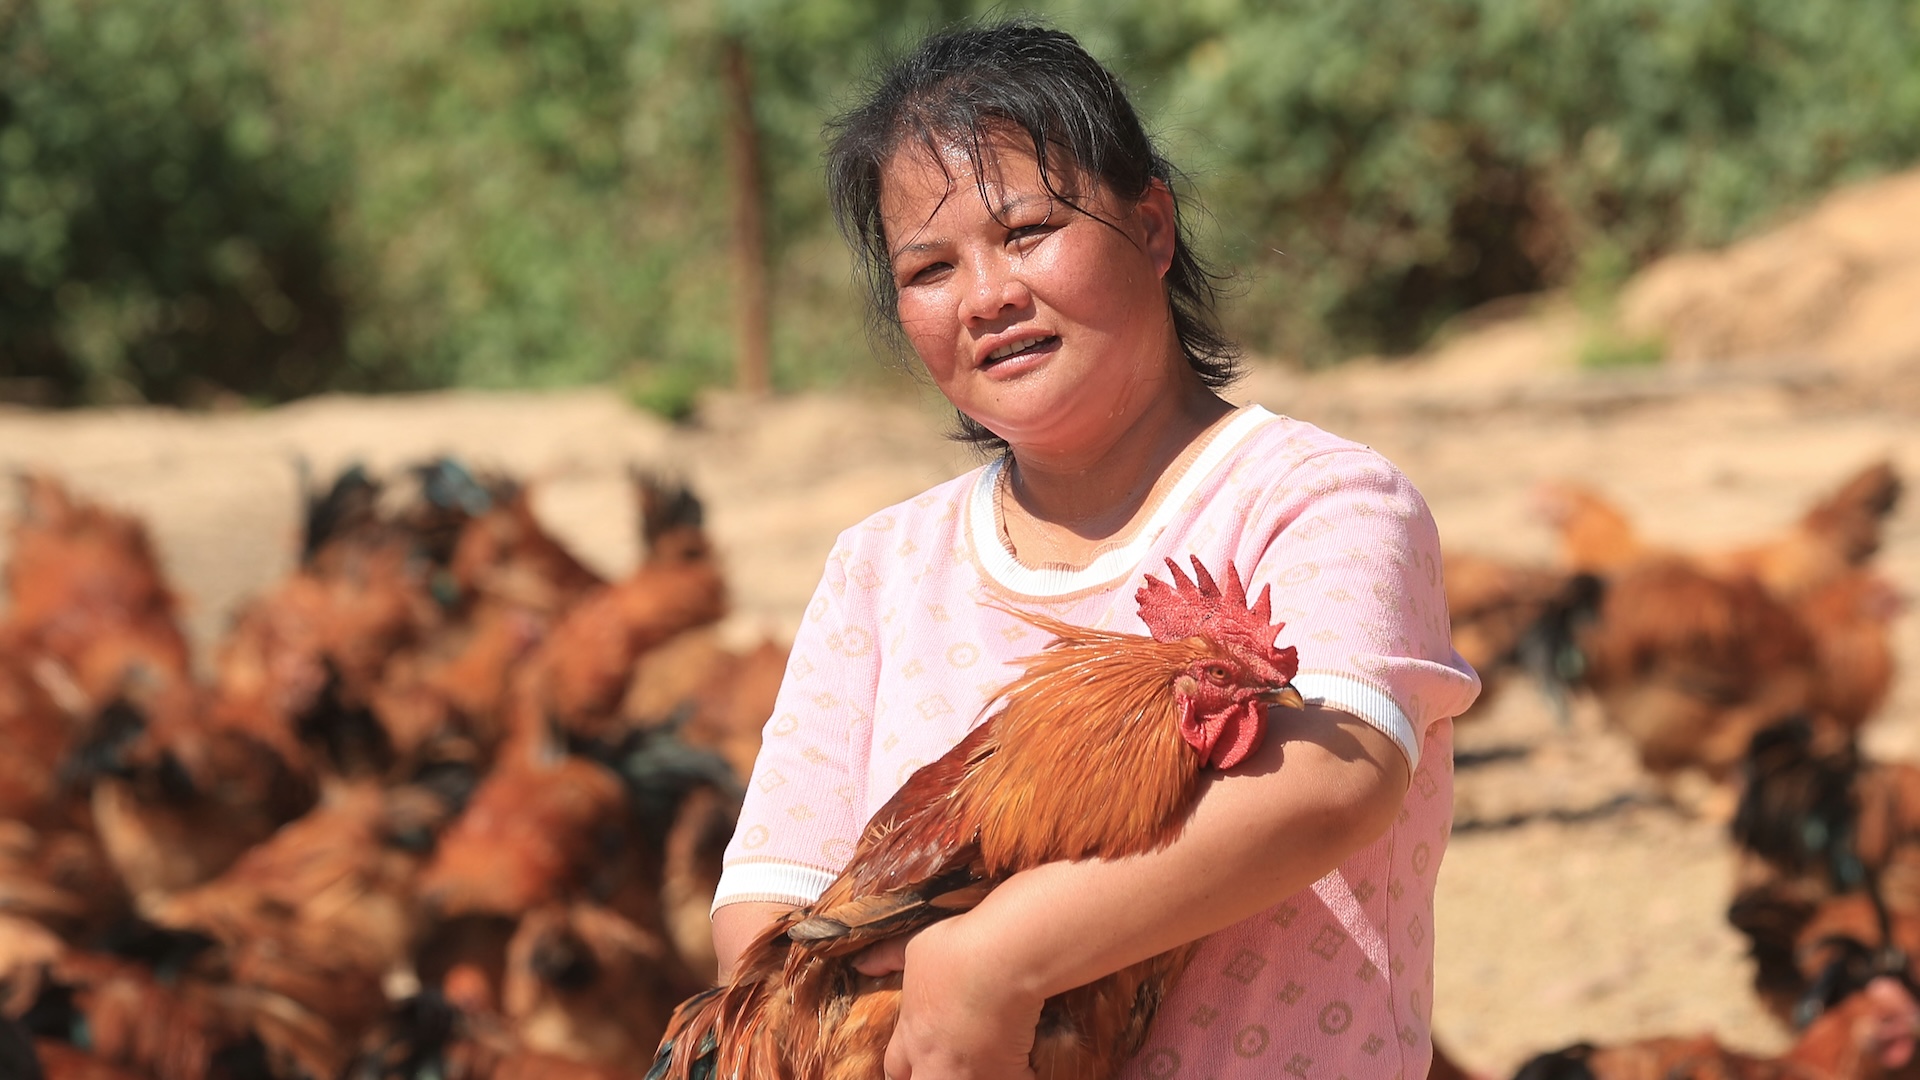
{"x":1223,"y":694}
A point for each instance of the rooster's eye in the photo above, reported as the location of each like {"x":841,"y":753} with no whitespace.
{"x":1217,"y":674}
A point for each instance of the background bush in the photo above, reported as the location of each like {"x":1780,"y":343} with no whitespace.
{"x":159,"y":234}
{"x":274,"y":198}
{"x":1386,"y":164}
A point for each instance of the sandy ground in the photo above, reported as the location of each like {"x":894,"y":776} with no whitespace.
{"x":1574,"y":904}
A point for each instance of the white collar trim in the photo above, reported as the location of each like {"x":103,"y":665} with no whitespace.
{"x":1002,"y":567}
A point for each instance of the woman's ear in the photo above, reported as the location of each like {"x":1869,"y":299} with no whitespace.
{"x":1158,"y":226}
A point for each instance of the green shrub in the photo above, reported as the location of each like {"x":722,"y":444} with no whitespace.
{"x":159,"y":236}
{"x":1383,"y":164}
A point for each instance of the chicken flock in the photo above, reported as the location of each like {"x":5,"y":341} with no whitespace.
{"x":444,"y":803}
{"x":1755,"y":668}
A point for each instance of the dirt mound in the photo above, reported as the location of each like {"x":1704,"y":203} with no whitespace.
{"x":1839,"y":286}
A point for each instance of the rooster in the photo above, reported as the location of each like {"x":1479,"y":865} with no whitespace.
{"x":1147,"y":715}
{"x":171,"y":1024}
{"x":583,"y":671}
{"x":540,"y":829}
{"x":324,"y":909}
{"x":177,"y":796}
{"x":1510,"y":615}
{"x":1850,"y":618}
{"x":86,"y":591}
{"x":1690,"y":666}
{"x":1840,"y":531}
{"x":585,"y":984}
{"x":1829,"y":850}
{"x":1692,"y":653}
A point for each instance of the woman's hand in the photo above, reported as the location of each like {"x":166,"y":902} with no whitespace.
{"x":961,"y":1016}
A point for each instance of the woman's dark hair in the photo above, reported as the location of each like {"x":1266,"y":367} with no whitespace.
{"x":964,"y":86}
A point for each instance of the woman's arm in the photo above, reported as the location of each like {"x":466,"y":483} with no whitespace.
{"x":1323,"y":786}
{"x":734,"y":928}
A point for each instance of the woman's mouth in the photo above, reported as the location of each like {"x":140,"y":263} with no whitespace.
{"x":1014,"y":350}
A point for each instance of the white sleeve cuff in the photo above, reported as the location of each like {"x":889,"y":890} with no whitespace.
{"x":1366,"y":701}
{"x":765,"y":880}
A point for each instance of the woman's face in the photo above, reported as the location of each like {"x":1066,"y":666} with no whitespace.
{"x":1050,"y":327}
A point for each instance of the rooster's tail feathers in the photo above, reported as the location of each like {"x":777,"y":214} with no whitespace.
{"x":689,"y":1048}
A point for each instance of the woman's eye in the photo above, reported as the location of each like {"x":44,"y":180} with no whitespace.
{"x":926,"y":273}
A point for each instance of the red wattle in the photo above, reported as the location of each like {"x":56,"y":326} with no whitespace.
{"x":1239,"y":736}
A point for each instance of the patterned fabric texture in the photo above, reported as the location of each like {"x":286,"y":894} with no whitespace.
{"x":898,"y":657}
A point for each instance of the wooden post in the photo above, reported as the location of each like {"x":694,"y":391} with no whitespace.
{"x":752,"y":336}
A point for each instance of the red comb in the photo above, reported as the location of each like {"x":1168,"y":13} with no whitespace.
{"x":1200,"y":607}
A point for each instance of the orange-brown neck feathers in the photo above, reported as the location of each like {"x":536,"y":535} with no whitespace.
{"x":1106,"y":702}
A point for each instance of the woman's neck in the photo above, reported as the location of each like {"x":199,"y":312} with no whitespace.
{"x":1068,"y":501}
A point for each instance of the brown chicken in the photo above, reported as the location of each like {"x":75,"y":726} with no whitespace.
{"x":1509,"y":617}
{"x":714,"y":702}
{"x":321,"y":914}
{"x":582,"y":673}
{"x":305,"y":657}
{"x":307,"y":664}
{"x":1851,"y":618}
{"x":547,"y":826}
{"x":1840,"y":531}
{"x":177,"y":797}
{"x":1869,"y":1035}
{"x":90,"y":626}
{"x":1145,"y":714}
{"x":542,"y":828}
{"x":1690,"y":665}
{"x":86,"y":591}
{"x":460,"y":1036}
{"x":585,"y":984}
{"x":1691,"y":655}
{"x":724,"y":697}
{"x":1827,"y":843}
{"x":178,"y":1024}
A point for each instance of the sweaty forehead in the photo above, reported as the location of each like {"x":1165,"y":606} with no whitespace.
{"x":924,"y":178}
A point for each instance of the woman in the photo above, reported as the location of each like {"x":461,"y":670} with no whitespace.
{"x":1022,"y":235}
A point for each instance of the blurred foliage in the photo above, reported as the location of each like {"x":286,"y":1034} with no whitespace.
{"x":275,"y":197}
{"x":159,"y":237}
{"x":1385,"y":165}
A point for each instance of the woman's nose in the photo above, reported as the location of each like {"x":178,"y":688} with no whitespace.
{"x":995,"y":289}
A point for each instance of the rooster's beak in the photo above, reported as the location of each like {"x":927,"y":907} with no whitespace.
{"x":1285,"y":696}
